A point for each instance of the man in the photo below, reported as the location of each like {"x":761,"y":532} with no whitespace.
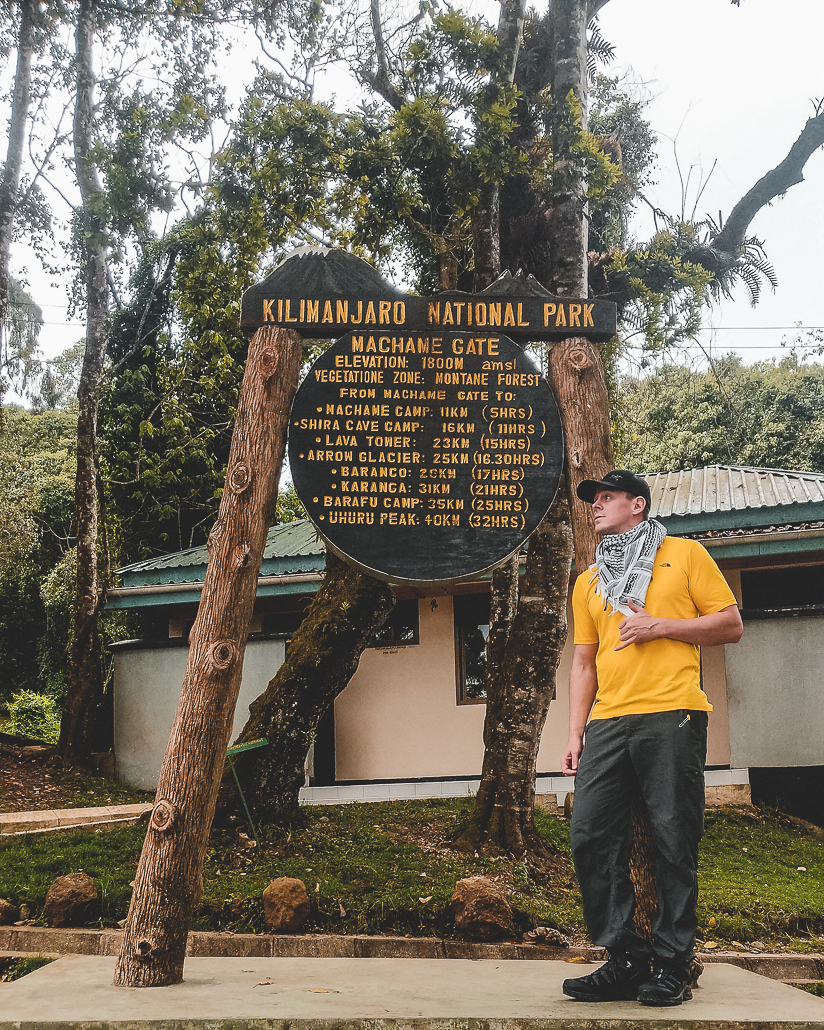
{"x":641,"y":613}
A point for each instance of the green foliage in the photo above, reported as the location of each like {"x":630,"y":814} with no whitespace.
{"x":766,"y":415}
{"x":37,"y":467}
{"x":816,"y":988}
{"x":19,"y":349}
{"x":34,"y":715}
{"x":57,"y":595}
{"x":23,"y":966}
{"x":617,"y":120}
{"x":289,"y":508}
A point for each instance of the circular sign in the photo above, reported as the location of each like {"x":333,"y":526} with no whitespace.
{"x":425,"y":458}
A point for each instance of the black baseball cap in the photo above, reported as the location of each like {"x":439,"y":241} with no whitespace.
{"x":619,"y":479}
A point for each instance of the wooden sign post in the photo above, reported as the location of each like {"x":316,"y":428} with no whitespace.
{"x":468,"y":437}
{"x":169,"y":874}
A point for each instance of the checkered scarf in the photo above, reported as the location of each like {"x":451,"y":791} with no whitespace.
{"x":623,"y":565}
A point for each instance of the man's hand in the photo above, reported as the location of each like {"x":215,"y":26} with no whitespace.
{"x":569,"y":763}
{"x":638,"y":628}
{"x":724,"y":627}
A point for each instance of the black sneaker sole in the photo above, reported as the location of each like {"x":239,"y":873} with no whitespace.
{"x":625,"y":996}
{"x":667,"y":1002}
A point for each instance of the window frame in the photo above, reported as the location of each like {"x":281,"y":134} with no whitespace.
{"x":416,"y":631}
{"x":460,"y":652}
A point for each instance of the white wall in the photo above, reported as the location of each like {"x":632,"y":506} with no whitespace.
{"x":397,"y":719}
{"x":775,"y":684}
{"x":146,"y":691}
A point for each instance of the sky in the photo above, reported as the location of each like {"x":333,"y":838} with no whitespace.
{"x":733,"y":86}
{"x":731,"y":89}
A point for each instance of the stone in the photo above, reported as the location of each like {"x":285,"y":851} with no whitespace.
{"x":8,"y":913}
{"x":481,"y":910}
{"x":72,"y":901}
{"x":285,"y":905}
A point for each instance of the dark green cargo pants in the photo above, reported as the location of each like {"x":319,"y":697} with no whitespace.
{"x":662,"y":757}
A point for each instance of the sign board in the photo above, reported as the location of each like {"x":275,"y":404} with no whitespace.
{"x":323,"y":293}
{"x":425,"y":456}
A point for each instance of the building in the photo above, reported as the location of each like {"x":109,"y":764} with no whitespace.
{"x":410,"y":723}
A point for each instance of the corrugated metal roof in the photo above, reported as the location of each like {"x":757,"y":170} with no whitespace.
{"x":732,"y":488}
{"x":717,"y":497}
{"x":291,"y":547}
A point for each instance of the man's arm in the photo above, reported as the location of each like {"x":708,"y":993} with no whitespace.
{"x":583,"y":686}
{"x":724,"y":627}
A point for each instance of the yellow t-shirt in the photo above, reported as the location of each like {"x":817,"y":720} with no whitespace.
{"x":660,"y":675}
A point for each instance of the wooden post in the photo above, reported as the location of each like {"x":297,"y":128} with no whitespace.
{"x":169,"y":875}
{"x":577,"y":377}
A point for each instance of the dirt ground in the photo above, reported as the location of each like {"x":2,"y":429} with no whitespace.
{"x":27,"y":785}
{"x":32,"y":779}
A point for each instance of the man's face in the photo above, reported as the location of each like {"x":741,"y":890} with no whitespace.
{"x":614,"y":511}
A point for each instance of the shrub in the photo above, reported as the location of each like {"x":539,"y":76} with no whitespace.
{"x":34,"y":715}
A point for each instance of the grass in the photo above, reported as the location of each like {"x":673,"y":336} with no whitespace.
{"x":23,"y":966}
{"x":387,"y":868}
{"x":761,"y":879}
{"x":816,"y":988}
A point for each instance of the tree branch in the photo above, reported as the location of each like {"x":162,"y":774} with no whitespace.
{"x":379,"y":81}
{"x":773,"y":184}
{"x":510,"y":32}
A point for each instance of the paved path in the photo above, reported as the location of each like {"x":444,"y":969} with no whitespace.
{"x":54,"y":819}
{"x":395,"y":994}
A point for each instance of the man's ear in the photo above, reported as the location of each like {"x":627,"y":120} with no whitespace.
{"x":638,"y":505}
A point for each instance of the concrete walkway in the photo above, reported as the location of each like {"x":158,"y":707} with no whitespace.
{"x":51,"y":819}
{"x":42,"y":940}
{"x":348,"y":994}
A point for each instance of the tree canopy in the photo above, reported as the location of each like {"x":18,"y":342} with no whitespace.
{"x":769,"y":414}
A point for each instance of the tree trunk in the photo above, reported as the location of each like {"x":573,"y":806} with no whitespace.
{"x":577,"y":377}
{"x":341,"y":622}
{"x":79,"y":724}
{"x":576,"y":370}
{"x":168,"y":879}
{"x":569,"y":223}
{"x":486,"y":236}
{"x":518,"y":700}
{"x":486,"y":216}
{"x":14,"y":154}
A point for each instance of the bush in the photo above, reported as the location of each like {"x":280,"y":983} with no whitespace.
{"x":34,"y":715}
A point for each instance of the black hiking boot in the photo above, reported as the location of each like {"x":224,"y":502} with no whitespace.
{"x":670,"y":985}
{"x":617,"y":980}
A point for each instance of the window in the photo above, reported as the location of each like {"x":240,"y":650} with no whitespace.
{"x":471,"y":631}
{"x":783,"y":593}
{"x":402,"y":627}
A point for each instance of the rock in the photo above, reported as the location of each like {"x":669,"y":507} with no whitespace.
{"x":285,"y":905}
{"x":481,"y":910}
{"x":8,"y":913}
{"x":548,"y":936}
{"x":36,"y":752}
{"x":72,"y":901}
